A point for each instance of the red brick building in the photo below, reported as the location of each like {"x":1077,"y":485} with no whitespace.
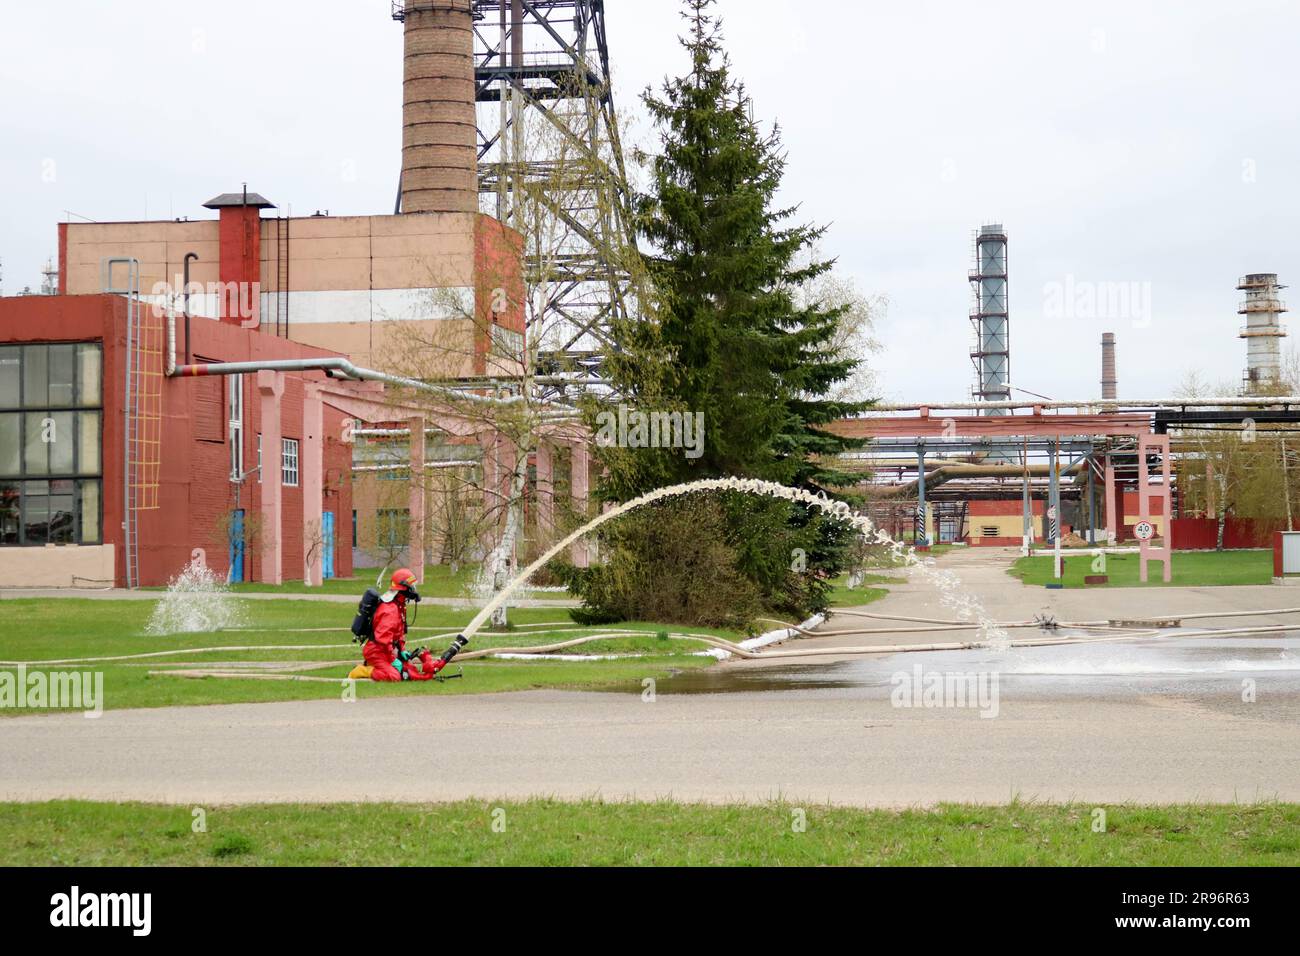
{"x":62,"y":454}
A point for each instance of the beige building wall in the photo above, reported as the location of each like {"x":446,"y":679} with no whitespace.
{"x":1004,"y":526}
{"x":160,"y":247}
{"x":375,"y":288}
{"x":57,"y":566}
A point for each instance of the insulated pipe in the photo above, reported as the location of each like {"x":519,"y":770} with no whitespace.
{"x":946,"y":473}
{"x":171,"y":342}
{"x":347,"y":370}
{"x":1235,"y":401}
{"x":189,"y":257}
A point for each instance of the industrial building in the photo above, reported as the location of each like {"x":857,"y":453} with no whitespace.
{"x":195,"y":386}
{"x":1034,"y":471}
{"x":66,"y":455}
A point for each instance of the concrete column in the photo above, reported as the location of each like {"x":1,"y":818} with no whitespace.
{"x":415,"y":555}
{"x":270,"y":387}
{"x":1027,"y":519}
{"x":1054,"y":495}
{"x":311,"y":467}
{"x":545,"y":489}
{"x":579,"y":459}
{"x":1160,"y":445}
{"x":922,"y":533}
{"x":1112,"y":496}
{"x":1166,"y":458}
{"x":1119,"y":512}
{"x":1092,"y":503}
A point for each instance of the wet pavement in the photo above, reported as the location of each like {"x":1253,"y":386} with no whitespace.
{"x":1174,"y":665}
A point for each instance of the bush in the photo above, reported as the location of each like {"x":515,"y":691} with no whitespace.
{"x":669,"y":562}
{"x":711,"y":561}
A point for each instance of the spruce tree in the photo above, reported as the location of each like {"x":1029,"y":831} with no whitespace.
{"x":726,"y":337}
{"x":721,"y":333}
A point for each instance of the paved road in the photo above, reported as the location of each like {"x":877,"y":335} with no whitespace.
{"x":810,"y":746}
{"x":1093,"y":741}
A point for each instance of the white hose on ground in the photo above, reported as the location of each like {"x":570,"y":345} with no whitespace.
{"x":236,"y":671}
{"x":178,"y":651}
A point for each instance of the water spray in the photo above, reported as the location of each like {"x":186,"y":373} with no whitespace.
{"x":968,"y":607}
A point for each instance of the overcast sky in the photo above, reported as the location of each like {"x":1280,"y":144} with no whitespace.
{"x":1146,"y":151}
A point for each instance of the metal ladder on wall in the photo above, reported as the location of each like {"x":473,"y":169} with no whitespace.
{"x":141,"y":408}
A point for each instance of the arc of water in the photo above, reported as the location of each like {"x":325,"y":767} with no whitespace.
{"x":833,"y":508}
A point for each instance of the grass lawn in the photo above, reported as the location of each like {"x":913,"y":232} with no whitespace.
{"x":866,"y":593}
{"x":1191,"y":569}
{"x":78,"y":628}
{"x":548,"y":832}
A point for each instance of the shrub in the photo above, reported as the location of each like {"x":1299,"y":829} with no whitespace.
{"x":671,"y":562}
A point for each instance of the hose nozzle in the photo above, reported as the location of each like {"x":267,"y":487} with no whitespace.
{"x":460,"y":641}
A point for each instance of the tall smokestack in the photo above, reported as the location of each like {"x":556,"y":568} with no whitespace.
{"x":1263,"y":331}
{"x":1109,"y":381}
{"x":439,"y":147}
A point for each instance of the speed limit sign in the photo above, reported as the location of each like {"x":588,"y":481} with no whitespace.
{"x":1144,"y":531}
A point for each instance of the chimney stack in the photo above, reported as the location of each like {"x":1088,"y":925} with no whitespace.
{"x":1109,"y":382}
{"x":439,"y":139}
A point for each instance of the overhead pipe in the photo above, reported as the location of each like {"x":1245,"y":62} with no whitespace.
{"x":1235,"y":401}
{"x":342,"y":368}
{"x":946,"y":473}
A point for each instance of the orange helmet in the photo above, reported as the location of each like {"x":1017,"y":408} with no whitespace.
{"x":403,"y":580}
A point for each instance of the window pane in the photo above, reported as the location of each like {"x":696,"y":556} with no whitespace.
{"x":236,"y":398}
{"x":63,"y":439}
{"x":63,"y":362}
{"x":236,"y":452}
{"x":36,"y":453}
{"x":36,"y":513}
{"x":36,"y":387}
{"x":89,"y":512}
{"x":10,"y":444}
{"x":8,"y":512}
{"x":10,"y":381}
{"x":90,"y":374}
{"x":61,"y":528}
{"x":88,"y":443}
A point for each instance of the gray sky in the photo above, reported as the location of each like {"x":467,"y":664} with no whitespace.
{"x":1147,"y":150}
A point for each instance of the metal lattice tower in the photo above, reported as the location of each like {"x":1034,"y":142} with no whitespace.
{"x":991,"y":350}
{"x":548,"y":131}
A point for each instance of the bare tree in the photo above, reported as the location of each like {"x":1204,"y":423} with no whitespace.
{"x":855,"y":337}
{"x":1246,"y":465}
{"x":497,"y":352}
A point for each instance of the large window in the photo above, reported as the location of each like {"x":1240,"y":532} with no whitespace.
{"x":50,"y":441}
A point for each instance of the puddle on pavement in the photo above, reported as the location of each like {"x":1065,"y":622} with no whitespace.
{"x":1171,"y":664}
